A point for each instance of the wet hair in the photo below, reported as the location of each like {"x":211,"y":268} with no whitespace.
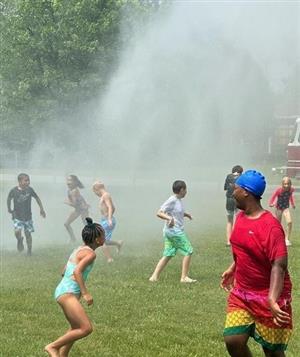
{"x":178,"y":185}
{"x":76,"y":181}
{"x":21,"y":176}
{"x":238,"y":169}
{"x":91,"y":231}
{"x":288,"y":179}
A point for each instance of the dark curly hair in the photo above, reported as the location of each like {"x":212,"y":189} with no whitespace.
{"x":91,"y":231}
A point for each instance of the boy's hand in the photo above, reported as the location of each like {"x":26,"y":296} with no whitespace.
{"x":188,"y":216}
{"x":110,"y":223}
{"x":43,"y":213}
{"x":88,"y":298}
{"x":171,"y":222}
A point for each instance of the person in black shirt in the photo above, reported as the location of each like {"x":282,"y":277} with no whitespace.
{"x":230,"y":201}
{"x":21,"y":213}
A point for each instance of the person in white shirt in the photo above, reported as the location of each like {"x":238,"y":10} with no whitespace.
{"x":172,"y":211}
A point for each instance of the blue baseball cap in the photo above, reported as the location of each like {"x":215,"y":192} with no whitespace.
{"x":253,"y":182}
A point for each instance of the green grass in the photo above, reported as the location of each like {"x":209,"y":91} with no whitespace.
{"x":131,"y":316}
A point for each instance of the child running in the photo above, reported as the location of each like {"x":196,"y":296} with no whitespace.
{"x":108,"y":221}
{"x":75,"y":199}
{"x":174,"y":236}
{"x":21,"y":212}
{"x":72,"y":287}
{"x":282,"y":198}
{"x":231,"y":209}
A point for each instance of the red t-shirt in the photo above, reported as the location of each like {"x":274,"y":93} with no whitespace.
{"x":256,"y":243}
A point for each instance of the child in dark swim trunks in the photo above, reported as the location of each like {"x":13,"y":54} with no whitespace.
{"x":281,"y":199}
{"x":75,"y":200}
{"x":21,"y":213}
{"x":72,"y":287}
{"x":230,"y":202}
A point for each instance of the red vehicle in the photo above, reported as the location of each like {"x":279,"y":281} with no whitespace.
{"x":293,"y":155}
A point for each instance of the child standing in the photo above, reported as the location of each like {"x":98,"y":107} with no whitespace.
{"x":21,"y":213}
{"x":230,"y":201}
{"x":72,"y":287}
{"x":174,"y":236}
{"x":108,"y":221}
{"x":281,"y":199}
{"x":75,"y":199}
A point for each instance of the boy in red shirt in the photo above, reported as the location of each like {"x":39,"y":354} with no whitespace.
{"x":281,"y":199}
{"x":259,"y":303}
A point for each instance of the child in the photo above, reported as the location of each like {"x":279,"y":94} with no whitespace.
{"x":72,"y":287}
{"x":230,"y":202}
{"x":108,"y":221}
{"x":21,"y":213}
{"x":175,"y":238}
{"x":81,"y":208}
{"x":281,"y":199}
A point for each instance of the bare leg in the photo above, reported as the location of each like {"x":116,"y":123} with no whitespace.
{"x":118,"y":244}
{"x":106,"y":252}
{"x":64,"y":350}
{"x":237,"y":345}
{"x":74,"y":215}
{"x":288,"y":231}
{"x":269,"y":353}
{"x":278,"y":214}
{"x":159,"y":268}
{"x":80,"y":325}
{"x":18,"y":235}
{"x":28,"y":242}
{"x":186,"y":261}
{"x":84,"y":215}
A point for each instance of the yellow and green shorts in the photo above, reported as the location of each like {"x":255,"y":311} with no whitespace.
{"x":249,"y":314}
{"x":178,"y":242}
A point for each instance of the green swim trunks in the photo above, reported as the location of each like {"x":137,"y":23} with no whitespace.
{"x":177,"y":242}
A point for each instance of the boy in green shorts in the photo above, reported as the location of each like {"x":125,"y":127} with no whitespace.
{"x":172,"y":211}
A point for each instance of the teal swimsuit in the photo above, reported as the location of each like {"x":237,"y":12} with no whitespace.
{"x":68,"y":285}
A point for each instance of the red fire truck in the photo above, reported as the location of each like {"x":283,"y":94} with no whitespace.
{"x":292,"y":169}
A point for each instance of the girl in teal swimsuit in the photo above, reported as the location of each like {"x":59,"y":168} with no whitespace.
{"x":72,"y":287}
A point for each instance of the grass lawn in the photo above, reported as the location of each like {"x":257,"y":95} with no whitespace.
{"x":131,"y":316}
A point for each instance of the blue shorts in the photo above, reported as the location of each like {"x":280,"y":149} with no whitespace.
{"x":26,"y":225}
{"x":67,"y":286}
{"x":108,"y":230}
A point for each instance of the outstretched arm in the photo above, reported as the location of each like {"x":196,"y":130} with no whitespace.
{"x":279,"y":268}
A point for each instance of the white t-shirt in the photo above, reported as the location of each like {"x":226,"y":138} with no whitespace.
{"x":174,"y":208}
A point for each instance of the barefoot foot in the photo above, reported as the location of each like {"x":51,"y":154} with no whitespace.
{"x":52,"y":352}
{"x":119,"y":246}
{"x":188,"y":280}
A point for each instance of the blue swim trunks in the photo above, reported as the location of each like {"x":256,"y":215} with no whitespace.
{"x":108,"y":230}
{"x":26,"y":225}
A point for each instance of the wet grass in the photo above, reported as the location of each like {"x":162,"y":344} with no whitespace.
{"x":131,"y":316}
